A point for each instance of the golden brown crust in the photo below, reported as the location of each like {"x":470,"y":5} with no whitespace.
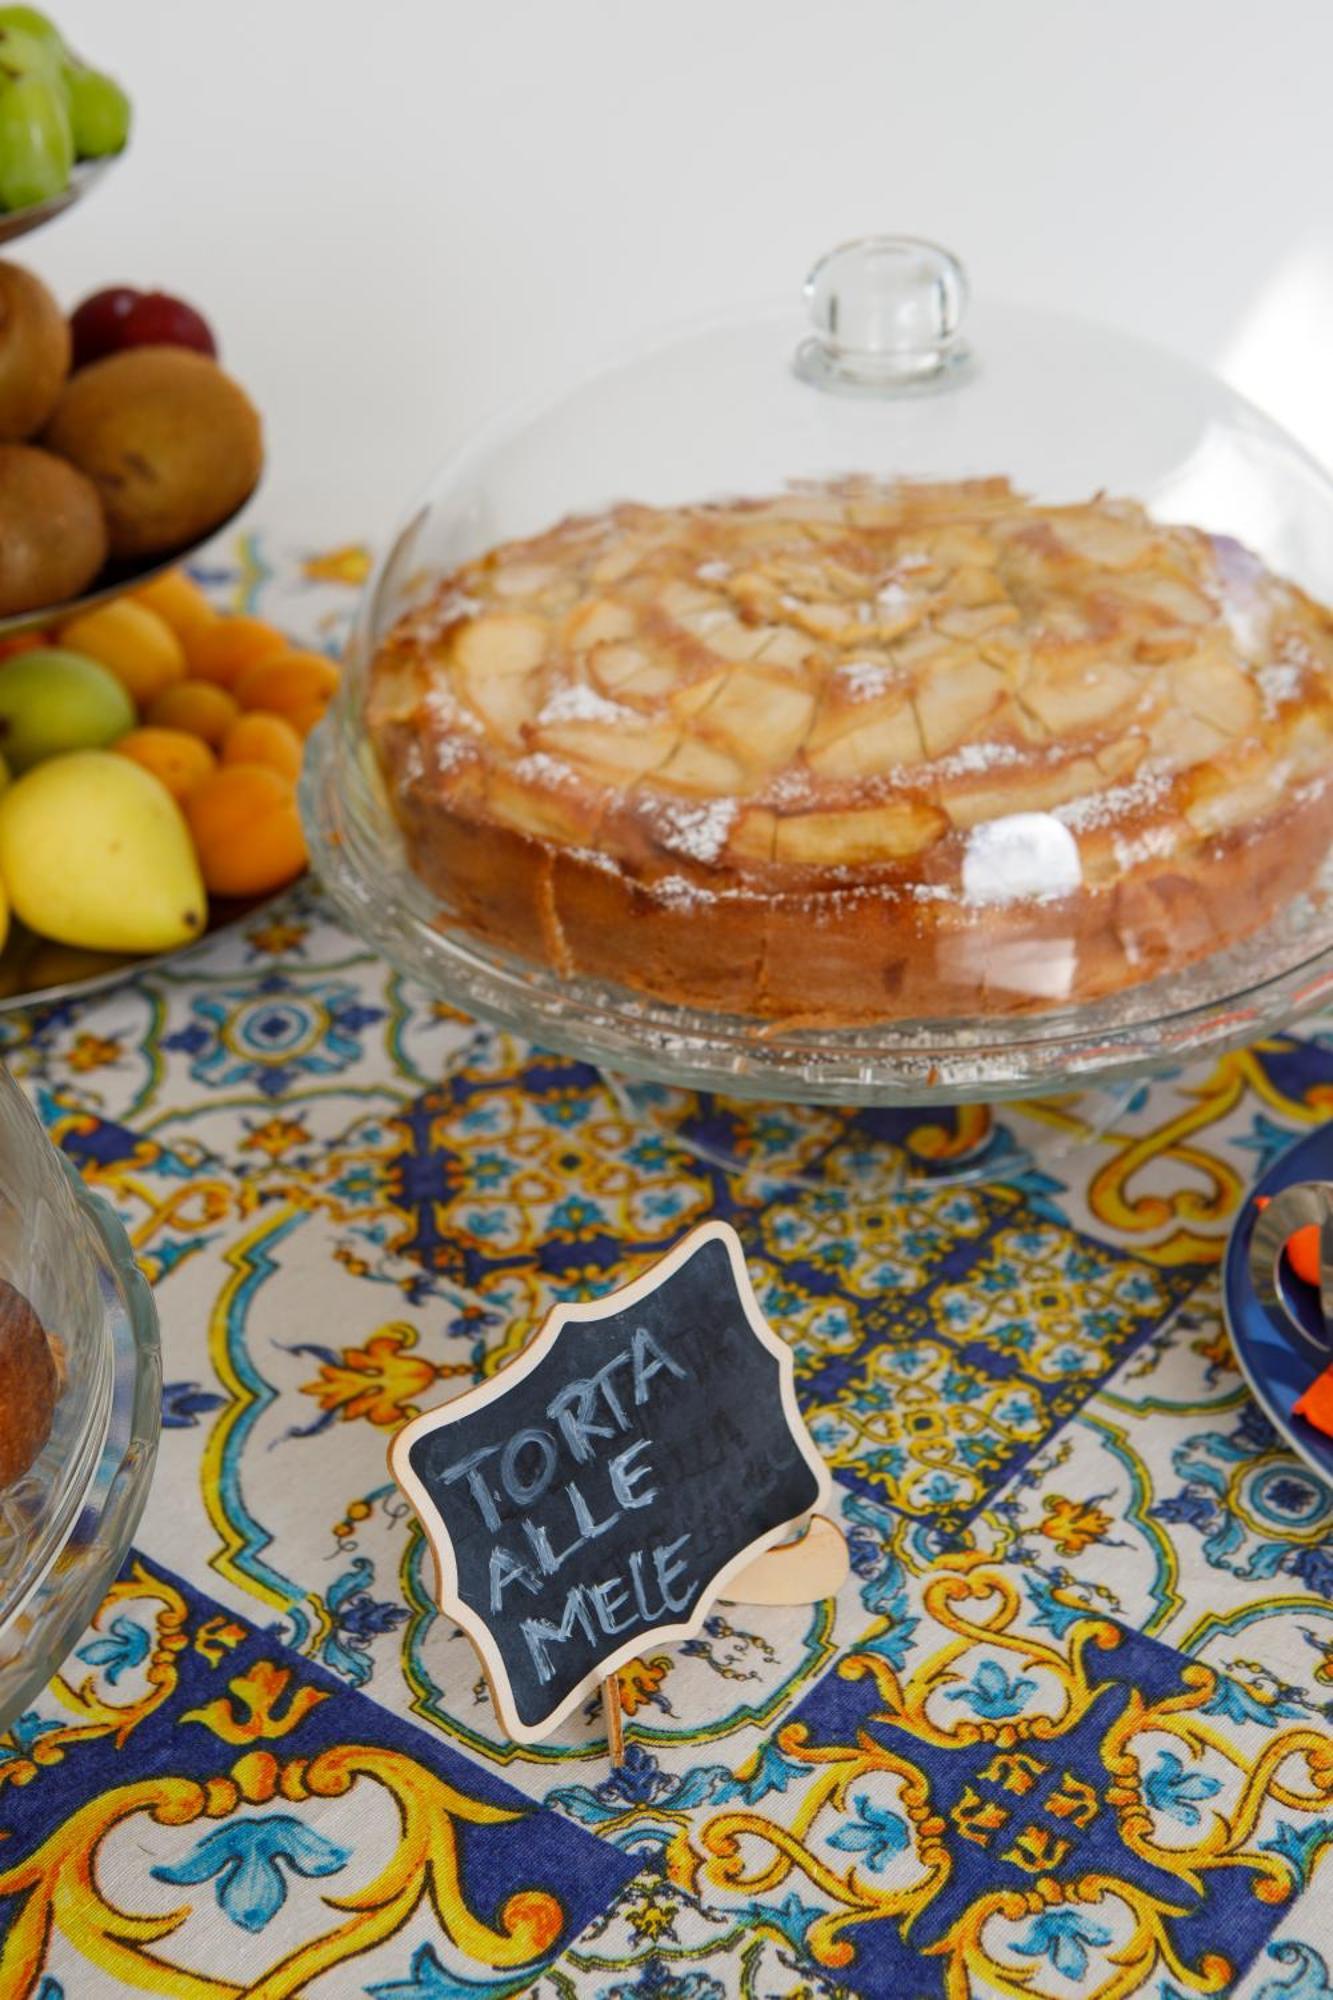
{"x":863,"y":751}
{"x":27,"y":1385}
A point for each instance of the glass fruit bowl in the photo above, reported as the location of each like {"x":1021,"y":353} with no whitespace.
{"x":887,"y":385}
{"x":66,"y":1523}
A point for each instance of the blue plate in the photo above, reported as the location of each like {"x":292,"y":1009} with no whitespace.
{"x":1277,"y":1368}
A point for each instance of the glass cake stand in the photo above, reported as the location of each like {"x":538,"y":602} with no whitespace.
{"x":1226,"y":1000}
{"x":876,"y":377}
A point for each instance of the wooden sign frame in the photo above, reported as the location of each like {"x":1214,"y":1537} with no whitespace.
{"x":610,"y":1305}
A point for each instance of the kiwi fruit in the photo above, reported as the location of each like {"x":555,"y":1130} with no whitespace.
{"x":171,"y":443}
{"x":34,"y":352}
{"x":52,"y":534}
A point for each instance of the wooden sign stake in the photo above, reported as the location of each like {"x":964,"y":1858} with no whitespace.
{"x":813,"y":1566}
{"x":615,"y":1722}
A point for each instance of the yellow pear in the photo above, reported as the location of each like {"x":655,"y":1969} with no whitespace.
{"x":94,"y":852}
{"x":4,"y":915}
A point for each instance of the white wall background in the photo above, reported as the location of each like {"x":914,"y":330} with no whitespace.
{"x":398,"y":213}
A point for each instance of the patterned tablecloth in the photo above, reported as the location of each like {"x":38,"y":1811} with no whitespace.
{"x":1066,"y":1730}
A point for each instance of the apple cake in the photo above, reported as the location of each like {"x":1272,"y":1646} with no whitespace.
{"x":861,"y":750}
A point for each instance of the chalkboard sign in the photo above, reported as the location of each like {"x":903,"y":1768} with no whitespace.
{"x":598,"y":1494}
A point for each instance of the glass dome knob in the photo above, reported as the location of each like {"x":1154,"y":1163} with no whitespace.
{"x":887,"y":312}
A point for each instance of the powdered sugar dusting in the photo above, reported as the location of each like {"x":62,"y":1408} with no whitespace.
{"x":448,"y":752}
{"x":577,"y":702}
{"x":1153,"y":844}
{"x":445,"y":711}
{"x":1278,"y":681}
{"x":865,"y":680}
{"x":678,"y":893}
{"x":971,"y":758}
{"x":791,"y":787}
{"x":1283,"y":679}
{"x":593,"y":857}
{"x":540,"y":768}
{"x":424,"y":626}
{"x":1101,"y":809}
{"x":696,"y":829}
{"x":456,"y":604}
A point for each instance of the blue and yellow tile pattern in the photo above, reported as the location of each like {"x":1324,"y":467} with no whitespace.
{"x":1066,"y":1733}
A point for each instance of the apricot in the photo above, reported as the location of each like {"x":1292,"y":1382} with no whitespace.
{"x":257,"y":738}
{"x":132,"y":643}
{"x":198,"y":707}
{"x":246,"y":829}
{"x":180,"y":762}
{"x":180,"y":603}
{"x":222,"y":651}
{"x":298,"y":686}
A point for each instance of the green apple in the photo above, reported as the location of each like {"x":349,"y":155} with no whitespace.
{"x":52,"y":700}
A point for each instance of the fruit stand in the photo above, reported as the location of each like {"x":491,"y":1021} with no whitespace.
{"x":123,"y":445}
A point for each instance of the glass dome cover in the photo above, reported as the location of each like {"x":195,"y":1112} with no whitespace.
{"x":1166,"y":492}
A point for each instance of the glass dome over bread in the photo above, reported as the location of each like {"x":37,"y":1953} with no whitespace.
{"x":881,"y":695}
{"x":80,"y":1400}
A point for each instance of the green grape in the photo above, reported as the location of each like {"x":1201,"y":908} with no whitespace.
{"x":36,"y":148}
{"x":99,"y":113}
{"x":34,"y":27}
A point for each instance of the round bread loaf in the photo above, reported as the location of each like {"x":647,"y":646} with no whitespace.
{"x":27,"y":1385}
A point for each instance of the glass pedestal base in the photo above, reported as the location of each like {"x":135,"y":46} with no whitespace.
{"x":903,"y":1151}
